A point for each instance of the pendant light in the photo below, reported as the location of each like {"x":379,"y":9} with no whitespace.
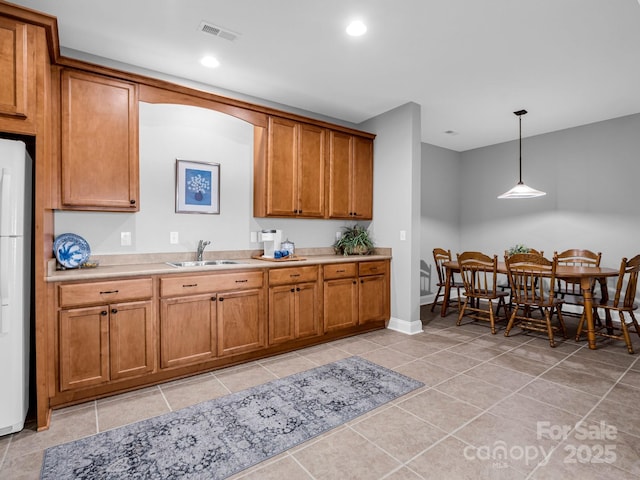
{"x":521,"y":190}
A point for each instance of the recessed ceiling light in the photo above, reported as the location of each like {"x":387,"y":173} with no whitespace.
{"x":356,"y":28}
{"x":210,"y":62}
{"x":451,"y":132}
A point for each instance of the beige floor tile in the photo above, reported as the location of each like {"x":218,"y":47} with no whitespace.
{"x":385,"y":337}
{"x":439,"y":340}
{"x":453,"y":459}
{"x":283,"y":469}
{"x":191,"y":391}
{"x":23,"y":467}
{"x":559,"y":396}
{"x":403,"y":474}
{"x":624,"y":395}
{"x":415,"y":348}
{"x":115,"y":412}
{"x":387,"y":357}
{"x":582,"y":381}
{"x":324,"y":355}
{"x":631,"y":378}
{"x":75,"y":424}
{"x":425,"y":372}
{"x":357,"y":346}
{"x":452,"y":361}
{"x":479,"y":352}
{"x":523,"y":448}
{"x":345,"y":455}
{"x":399,"y":433}
{"x":473,"y":391}
{"x":533,"y":414}
{"x":243,"y":377}
{"x":441,"y":410}
{"x":500,"y":376}
{"x":520,"y":364}
{"x":543,"y":356}
{"x":594,"y":367}
{"x":622,"y":359}
{"x":624,"y":419}
{"x":287,"y":365}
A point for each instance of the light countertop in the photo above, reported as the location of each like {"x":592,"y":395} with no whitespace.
{"x":113,"y":266}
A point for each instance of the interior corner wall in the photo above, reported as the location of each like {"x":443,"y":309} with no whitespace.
{"x":590,"y":174}
{"x":439,"y":212}
{"x":396,"y":204}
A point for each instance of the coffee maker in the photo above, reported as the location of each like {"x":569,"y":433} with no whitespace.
{"x":272,"y":240}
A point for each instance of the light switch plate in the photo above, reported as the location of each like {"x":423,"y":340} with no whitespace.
{"x":403,"y":234}
{"x":173,"y":238}
{"x":254,"y":237}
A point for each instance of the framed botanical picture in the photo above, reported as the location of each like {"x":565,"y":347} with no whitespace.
{"x":197,"y":187}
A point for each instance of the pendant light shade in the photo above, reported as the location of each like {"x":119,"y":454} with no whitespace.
{"x":521,"y":190}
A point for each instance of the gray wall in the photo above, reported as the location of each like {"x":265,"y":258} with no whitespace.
{"x":590,"y":174}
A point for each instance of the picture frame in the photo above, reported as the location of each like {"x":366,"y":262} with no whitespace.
{"x":197,"y":187}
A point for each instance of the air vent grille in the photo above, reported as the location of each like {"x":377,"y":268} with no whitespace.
{"x":216,"y":31}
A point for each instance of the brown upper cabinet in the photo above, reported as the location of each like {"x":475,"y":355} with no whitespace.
{"x":99,"y":128}
{"x":22,"y":46}
{"x":293,"y":174}
{"x":350,"y":177}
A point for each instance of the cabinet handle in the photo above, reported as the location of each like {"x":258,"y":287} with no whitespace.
{"x":242,"y":281}
{"x":340,"y":271}
{"x":293,"y":290}
{"x":114,"y":310}
{"x":297,"y":289}
{"x":221,"y":298}
{"x":294,"y":275}
{"x":190,"y":285}
{"x":361,"y":281}
{"x":132,"y":202}
{"x":213,"y":299}
{"x":103,"y":313}
{"x":373,"y":269}
{"x":354,"y":282}
{"x":108,"y":291}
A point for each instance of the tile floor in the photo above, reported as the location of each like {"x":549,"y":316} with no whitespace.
{"x":492,"y":408}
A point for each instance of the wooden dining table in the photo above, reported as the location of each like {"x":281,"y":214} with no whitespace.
{"x":585,"y":275}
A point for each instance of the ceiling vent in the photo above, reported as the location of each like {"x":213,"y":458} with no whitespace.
{"x":216,"y":31}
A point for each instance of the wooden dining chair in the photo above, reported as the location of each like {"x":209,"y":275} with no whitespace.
{"x":532,"y":278}
{"x":440,"y":256}
{"x":480,"y":277}
{"x":505,"y":286}
{"x":570,"y":290}
{"x":623,"y":302}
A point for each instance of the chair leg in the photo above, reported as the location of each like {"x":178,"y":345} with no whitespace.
{"x":625,"y":333}
{"x":492,"y":319}
{"x":562,"y":326}
{"x":461,"y":314}
{"x":435,"y":300}
{"x":511,"y":321}
{"x":583,"y":318}
{"x":547,"y":317}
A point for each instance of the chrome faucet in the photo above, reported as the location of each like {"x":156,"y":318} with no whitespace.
{"x":201,"y":246}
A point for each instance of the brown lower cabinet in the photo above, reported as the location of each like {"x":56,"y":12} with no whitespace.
{"x":108,"y":341}
{"x":121,"y":334}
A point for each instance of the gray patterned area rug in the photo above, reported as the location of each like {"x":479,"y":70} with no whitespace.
{"x":220,"y":437}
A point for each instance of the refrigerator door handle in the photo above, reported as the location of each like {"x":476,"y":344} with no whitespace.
{"x":4,"y":286}
{"x":5,"y":206}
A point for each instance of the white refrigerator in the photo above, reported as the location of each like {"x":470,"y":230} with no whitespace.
{"x":15,"y":283}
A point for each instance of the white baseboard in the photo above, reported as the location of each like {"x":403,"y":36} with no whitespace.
{"x":405,"y":326}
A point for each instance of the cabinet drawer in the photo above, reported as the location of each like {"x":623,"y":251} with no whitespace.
{"x":104,"y":292}
{"x":372,"y":268}
{"x":171,"y":286}
{"x":340,"y":270}
{"x":283,"y":276}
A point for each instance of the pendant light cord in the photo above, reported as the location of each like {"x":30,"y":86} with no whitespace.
{"x":520,"y":137}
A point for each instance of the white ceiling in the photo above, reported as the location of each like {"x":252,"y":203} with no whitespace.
{"x":469,"y":63}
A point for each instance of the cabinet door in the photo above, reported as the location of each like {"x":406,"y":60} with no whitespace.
{"x":13,"y":65}
{"x":84,"y":347}
{"x":362,"y":179}
{"x":340,"y":304}
{"x":373,"y":304}
{"x":311,"y":160}
{"x":282,"y":167}
{"x":99,"y":143}
{"x":131,"y":339}
{"x":187,"y":330}
{"x":307,"y":310}
{"x":340,"y":145}
{"x":241,"y":322}
{"x":281,"y":314}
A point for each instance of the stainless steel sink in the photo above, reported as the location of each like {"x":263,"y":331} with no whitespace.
{"x":203,"y":263}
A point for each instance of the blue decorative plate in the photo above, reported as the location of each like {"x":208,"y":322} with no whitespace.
{"x":71,"y":250}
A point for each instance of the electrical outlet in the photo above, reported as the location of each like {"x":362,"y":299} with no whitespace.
{"x":403,"y":234}
{"x":338,"y":235}
{"x":173,"y":238}
{"x":254,"y":237}
{"x":125,"y":239}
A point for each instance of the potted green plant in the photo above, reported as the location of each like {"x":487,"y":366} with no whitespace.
{"x":354,"y":241}
{"x":518,"y":248}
